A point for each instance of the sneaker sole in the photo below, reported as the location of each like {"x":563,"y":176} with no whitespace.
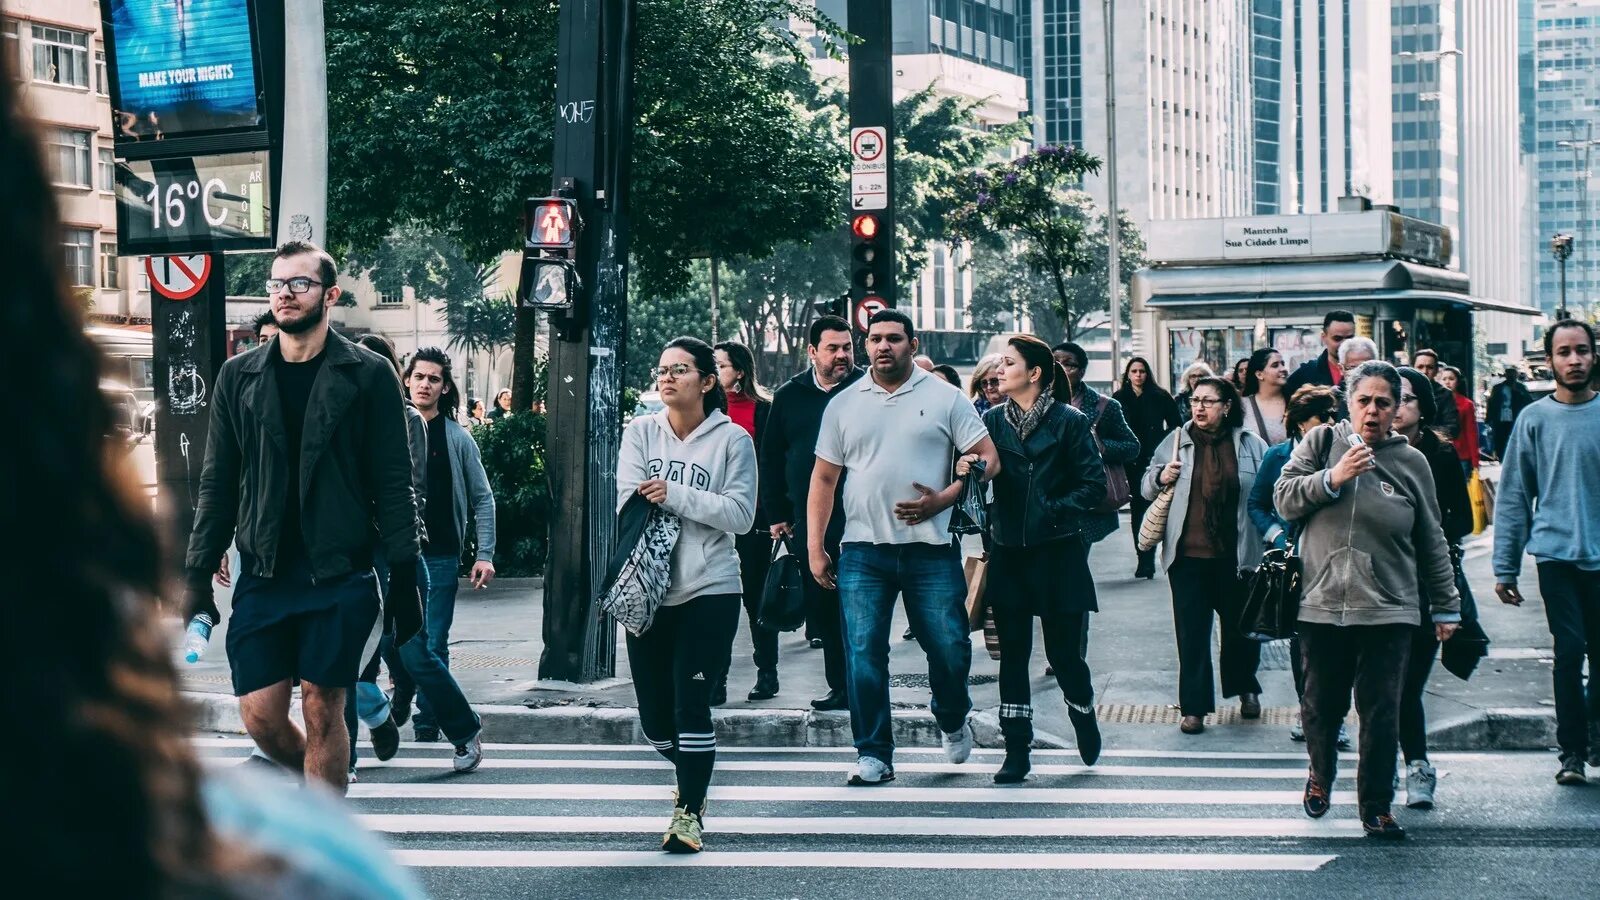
{"x":1572,"y":779}
{"x":1386,"y":835}
{"x":1419,"y":804}
{"x":858,"y":781}
{"x":674,"y":845}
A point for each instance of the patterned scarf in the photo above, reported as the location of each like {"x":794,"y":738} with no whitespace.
{"x":1025,"y":421}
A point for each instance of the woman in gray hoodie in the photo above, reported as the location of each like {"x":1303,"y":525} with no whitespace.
{"x":1371,"y":546}
{"x":691,"y":460}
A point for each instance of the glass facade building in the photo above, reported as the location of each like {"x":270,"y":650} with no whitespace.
{"x":1063,"y":66}
{"x":1567,"y":53}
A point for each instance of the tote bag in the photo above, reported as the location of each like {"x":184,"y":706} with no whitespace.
{"x":1154,"y":526}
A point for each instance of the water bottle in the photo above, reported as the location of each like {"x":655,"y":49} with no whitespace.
{"x":196,"y":638}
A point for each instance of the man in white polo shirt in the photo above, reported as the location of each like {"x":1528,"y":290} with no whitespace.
{"x":896,"y":432}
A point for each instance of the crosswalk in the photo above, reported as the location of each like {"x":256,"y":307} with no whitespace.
{"x":572,"y":807}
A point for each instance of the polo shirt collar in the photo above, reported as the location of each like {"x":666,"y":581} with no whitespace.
{"x":918,"y":374}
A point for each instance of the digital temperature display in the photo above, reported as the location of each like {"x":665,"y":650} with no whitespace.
{"x":194,"y":205}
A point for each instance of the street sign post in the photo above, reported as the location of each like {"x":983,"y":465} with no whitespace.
{"x":871,"y":150}
{"x":866,"y":309}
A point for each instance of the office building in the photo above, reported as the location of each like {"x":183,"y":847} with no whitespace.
{"x":1566,"y":127}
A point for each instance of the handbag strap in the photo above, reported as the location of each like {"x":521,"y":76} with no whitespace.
{"x":1261,"y":423}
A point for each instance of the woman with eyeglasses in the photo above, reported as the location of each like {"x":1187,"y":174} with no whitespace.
{"x":1211,"y":464}
{"x":694,"y":462}
{"x":1152,"y":415}
{"x":1373,"y":555}
{"x":984,"y":389}
{"x":1415,"y":419}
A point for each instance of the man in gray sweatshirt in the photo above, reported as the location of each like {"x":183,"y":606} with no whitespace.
{"x":1546,"y":506}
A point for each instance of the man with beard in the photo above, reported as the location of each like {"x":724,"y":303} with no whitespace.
{"x":1547,"y":506}
{"x":307,"y":470}
{"x":787,"y":457}
{"x":895,"y":432}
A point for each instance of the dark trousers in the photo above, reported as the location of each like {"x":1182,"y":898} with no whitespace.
{"x":755,"y":558}
{"x":674,"y":664}
{"x":824,"y":619}
{"x":1413,"y":722}
{"x":1201,"y":590}
{"x":1502,"y":438}
{"x":1371,"y":660}
{"x":1572,"y":607}
{"x":1062,"y":632}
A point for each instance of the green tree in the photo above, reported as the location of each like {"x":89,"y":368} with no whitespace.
{"x":652,"y":321}
{"x":1030,"y":201}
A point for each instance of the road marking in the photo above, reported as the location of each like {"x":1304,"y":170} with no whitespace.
{"x":798,"y":766}
{"x":845,"y":753}
{"x":476,"y":790}
{"x":828,"y":859}
{"x":876,"y":826}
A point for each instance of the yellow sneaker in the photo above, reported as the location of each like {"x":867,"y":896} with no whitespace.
{"x":683,"y":834}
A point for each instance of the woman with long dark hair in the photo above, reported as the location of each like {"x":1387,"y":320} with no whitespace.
{"x":116,"y":804}
{"x":1414,"y":418}
{"x":1209,"y":539}
{"x":694,"y":462}
{"x":1466,"y":442}
{"x":1050,"y":479}
{"x":748,"y":405}
{"x":1264,"y":402}
{"x":1152,"y":414}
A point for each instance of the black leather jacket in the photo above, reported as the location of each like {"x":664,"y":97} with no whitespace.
{"x":1048,"y":483}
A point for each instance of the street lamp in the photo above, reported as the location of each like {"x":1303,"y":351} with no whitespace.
{"x":1583,"y":174}
{"x":1561,"y":248}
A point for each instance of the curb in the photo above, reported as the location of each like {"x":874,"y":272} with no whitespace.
{"x":1512,"y":728}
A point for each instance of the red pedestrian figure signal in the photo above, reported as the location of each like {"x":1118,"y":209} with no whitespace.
{"x":551,"y":228}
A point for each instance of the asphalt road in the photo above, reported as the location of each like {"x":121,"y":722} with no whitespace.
{"x":1165,"y":819}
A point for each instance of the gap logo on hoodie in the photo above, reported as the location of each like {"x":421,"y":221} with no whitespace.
{"x":699,"y":477}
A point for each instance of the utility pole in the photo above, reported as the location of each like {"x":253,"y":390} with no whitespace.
{"x":1113,"y":226}
{"x":1584,"y":173}
{"x":872,"y":154}
{"x":593,"y":131}
{"x":1561,"y":249}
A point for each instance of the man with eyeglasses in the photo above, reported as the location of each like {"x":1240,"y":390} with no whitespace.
{"x":308,"y":470}
{"x":1338,"y":326}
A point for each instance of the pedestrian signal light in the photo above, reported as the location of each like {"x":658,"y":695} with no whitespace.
{"x":552,"y":224}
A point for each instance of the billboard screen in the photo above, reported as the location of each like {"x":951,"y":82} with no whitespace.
{"x":183,"y":68}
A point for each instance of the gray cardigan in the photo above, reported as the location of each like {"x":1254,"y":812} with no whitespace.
{"x":1249,"y":449}
{"x":469,"y":482}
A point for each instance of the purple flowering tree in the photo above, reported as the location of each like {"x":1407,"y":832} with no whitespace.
{"x":1031,"y":206}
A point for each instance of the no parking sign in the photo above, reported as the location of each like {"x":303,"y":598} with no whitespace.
{"x":178,"y":277}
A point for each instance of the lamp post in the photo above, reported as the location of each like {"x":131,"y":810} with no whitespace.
{"x":1583,"y":174}
{"x":1561,"y":248}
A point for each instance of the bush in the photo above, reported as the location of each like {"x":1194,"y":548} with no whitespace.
{"x":513,"y":451}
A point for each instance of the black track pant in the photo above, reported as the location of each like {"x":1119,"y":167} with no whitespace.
{"x":674,"y":664}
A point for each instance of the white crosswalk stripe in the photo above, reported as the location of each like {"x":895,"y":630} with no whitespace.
{"x":571,"y":806}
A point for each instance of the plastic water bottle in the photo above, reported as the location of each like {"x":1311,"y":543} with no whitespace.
{"x":196,"y":638}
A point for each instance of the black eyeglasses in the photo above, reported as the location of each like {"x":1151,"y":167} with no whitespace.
{"x":297,"y":285}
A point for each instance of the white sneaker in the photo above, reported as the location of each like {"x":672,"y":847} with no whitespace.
{"x":469,"y":755}
{"x":871,"y":770}
{"x":1421,"y":779}
{"x":958,"y":744}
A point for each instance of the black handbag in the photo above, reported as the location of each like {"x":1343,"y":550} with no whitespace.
{"x":783,"y":597}
{"x":1272,"y":606}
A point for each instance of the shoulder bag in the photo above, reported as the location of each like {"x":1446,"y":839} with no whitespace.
{"x":641,"y":570}
{"x":1154,"y":526}
{"x":1117,"y":491}
{"x":1272,"y":605}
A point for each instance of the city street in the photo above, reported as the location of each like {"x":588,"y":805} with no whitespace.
{"x":565,"y":820}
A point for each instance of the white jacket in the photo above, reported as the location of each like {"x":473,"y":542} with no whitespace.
{"x":711,"y":486}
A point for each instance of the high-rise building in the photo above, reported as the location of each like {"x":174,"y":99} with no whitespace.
{"x":56,"y":51}
{"x":1425,"y":103}
{"x":1320,"y":79}
{"x":1567,"y":127}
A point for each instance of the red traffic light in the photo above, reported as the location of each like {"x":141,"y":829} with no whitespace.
{"x":865,"y":227}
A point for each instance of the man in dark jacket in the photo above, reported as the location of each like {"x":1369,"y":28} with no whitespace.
{"x":788,"y":452}
{"x":1448,"y":421}
{"x":307,"y":470}
{"x":1506,"y":402}
{"x":1338,"y":326}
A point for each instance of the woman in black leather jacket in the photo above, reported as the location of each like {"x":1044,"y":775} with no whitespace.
{"x":1050,"y":481}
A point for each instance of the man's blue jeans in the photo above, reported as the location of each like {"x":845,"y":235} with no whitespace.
{"x":440,"y":575}
{"x":930,"y":578}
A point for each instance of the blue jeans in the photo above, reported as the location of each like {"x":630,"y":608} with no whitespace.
{"x":930,"y":578}
{"x":440,"y":576}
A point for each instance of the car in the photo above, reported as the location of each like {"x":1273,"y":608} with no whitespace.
{"x":649,"y":404}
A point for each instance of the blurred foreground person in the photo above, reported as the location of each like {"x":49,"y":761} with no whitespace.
{"x":119,"y":805}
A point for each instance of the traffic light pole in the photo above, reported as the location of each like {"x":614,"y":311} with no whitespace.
{"x":872,"y":167}
{"x":594,"y":124}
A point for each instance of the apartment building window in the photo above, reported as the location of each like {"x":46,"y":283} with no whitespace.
{"x":390,"y":299}
{"x":108,"y":171}
{"x":68,"y":155}
{"x":79,"y":246}
{"x":102,"y":82}
{"x":60,"y":56}
{"x":110,"y":272}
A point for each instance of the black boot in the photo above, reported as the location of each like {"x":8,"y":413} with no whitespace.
{"x":1147,"y":564}
{"x":1087,"y":729}
{"x":766,"y":685}
{"x":1019,"y":739}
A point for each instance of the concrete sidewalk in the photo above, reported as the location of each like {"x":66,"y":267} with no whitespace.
{"x":495,"y":648}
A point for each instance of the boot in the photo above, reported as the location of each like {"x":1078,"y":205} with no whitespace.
{"x":1147,"y":564}
{"x":766,"y":685}
{"x":1019,"y":740}
{"x":1087,"y":730}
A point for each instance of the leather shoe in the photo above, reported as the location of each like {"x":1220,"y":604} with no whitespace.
{"x":1383,"y":827}
{"x":1315,"y":800}
{"x":1192,"y":724}
{"x":833,"y":700}
{"x":1249,"y":706}
{"x":386,"y":740}
{"x":766,"y":685}
{"x":400,"y":704}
